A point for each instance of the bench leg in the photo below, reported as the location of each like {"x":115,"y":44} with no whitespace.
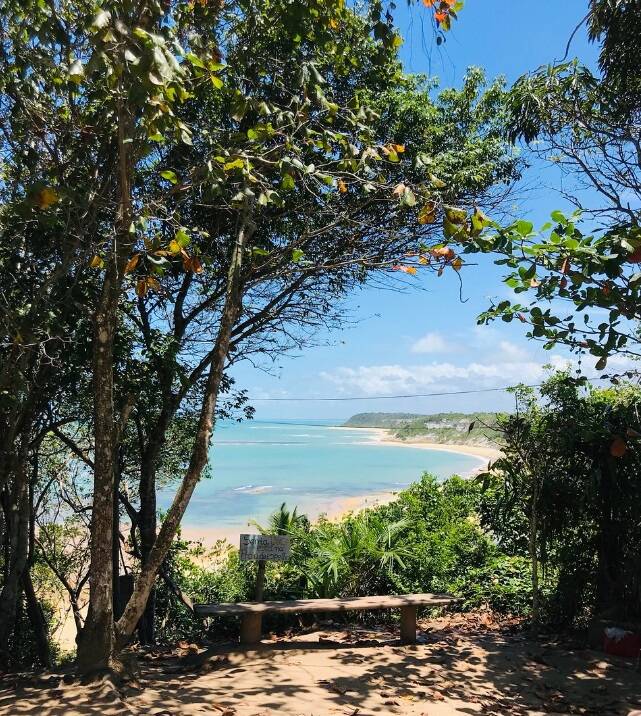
{"x":250,"y":628}
{"x":408,"y":625}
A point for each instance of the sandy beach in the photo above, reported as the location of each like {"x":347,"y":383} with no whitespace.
{"x":333,"y":511}
{"x":383,"y":436}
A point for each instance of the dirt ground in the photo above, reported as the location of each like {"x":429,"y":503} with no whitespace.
{"x":464,"y":665}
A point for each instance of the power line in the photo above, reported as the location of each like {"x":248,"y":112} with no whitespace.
{"x":411,"y":395}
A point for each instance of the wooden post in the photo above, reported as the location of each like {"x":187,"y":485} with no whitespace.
{"x":250,"y":628}
{"x":260,"y":581}
{"x":408,"y":624}
{"x":251,"y":623}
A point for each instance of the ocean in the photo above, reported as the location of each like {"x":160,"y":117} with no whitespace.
{"x":257,"y":465}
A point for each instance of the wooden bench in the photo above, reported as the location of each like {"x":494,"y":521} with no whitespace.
{"x":251,"y":613}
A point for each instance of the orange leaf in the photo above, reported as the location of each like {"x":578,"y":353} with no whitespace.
{"x":141,"y":287}
{"x":440,"y":17}
{"x":618,"y":447}
{"x":456,"y":264}
{"x":96,"y":262}
{"x":196,"y":265}
{"x":132,"y":263}
{"x":153,"y":283}
{"x":443,"y":252}
{"x":427,"y":215}
{"x":342,"y":187}
{"x":46,"y":197}
{"x":429,"y":3}
{"x":399,"y":148}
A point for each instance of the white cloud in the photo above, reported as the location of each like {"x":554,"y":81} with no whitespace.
{"x":507,"y":366}
{"x":434,"y":377}
{"x":431,"y":343}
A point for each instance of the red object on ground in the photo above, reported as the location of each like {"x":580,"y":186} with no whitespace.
{"x":629,"y":645}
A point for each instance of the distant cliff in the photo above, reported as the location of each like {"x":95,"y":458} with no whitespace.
{"x":461,"y":428}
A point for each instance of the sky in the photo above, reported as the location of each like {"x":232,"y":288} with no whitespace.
{"x":425,"y":339}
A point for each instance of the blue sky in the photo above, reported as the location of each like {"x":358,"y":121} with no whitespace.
{"x":425,"y":340}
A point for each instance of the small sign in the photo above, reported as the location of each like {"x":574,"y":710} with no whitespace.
{"x":263,"y":547}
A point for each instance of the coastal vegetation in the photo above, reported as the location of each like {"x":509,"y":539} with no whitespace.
{"x":446,"y":428}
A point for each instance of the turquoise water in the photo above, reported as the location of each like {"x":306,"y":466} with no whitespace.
{"x":257,"y":465}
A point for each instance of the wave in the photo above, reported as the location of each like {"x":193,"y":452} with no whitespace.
{"x":259,"y":442}
{"x":254,"y":489}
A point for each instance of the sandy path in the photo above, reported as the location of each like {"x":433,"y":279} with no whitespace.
{"x":458,"y":670}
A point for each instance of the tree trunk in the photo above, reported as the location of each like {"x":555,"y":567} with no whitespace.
{"x":16,"y":511}
{"x":609,"y":597}
{"x":115,"y":544}
{"x":96,"y":643}
{"x":231,"y":311}
{"x":37,"y":619}
{"x":97,"y":640}
{"x":147,"y":526}
{"x":533,"y":539}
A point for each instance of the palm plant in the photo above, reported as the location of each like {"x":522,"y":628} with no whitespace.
{"x":283,"y":522}
{"x":353,"y":556}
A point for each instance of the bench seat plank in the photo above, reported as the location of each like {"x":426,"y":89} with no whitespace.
{"x":327,"y":605}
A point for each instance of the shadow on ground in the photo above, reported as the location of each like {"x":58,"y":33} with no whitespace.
{"x":462,"y":666}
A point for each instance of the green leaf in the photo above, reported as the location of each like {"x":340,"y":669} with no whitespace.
{"x":169,"y":175}
{"x":455,"y":215}
{"x":216,"y":81}
{"x":288,"y":182}
{"x":297,"y":255}
{"x":182,"y":238}
{"x":194,"y":60}
{"x":558,"y":216}
{"x":524,"y":227}
{"x":235,"y":164}
{"x":409,"y":198}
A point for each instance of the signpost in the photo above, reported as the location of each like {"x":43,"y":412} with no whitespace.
{"x":260,"y":548}
{"x":263,"y":547}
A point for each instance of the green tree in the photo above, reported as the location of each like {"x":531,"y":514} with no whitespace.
{"x":218,"y":177}
{"x":565,"y":493}
{"x":585,"y":124}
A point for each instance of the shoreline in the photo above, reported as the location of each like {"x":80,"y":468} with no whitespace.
{"x":382,"y":436}
{"x":332,"y":511}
